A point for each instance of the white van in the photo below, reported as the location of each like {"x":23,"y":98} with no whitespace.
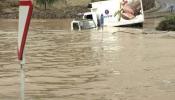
{"x":82,"y":24}
{"x":91,"y":16}
{"x":116,"y":12}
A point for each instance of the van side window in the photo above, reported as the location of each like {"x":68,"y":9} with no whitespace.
{"x":75,"y":26}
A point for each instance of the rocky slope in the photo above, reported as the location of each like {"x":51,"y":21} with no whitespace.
{"x":61,"y":9}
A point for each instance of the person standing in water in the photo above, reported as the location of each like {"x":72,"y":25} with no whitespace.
{"x":171,"y":8}
{"x":102,"y":21}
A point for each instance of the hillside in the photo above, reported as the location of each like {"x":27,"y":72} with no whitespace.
{"x":60,"y":9}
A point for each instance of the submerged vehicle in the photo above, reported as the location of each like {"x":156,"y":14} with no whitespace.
{"x":115,"y":13}
{"x":83,"y":24}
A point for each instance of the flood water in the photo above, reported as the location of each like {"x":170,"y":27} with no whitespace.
{"x":116,"y":64}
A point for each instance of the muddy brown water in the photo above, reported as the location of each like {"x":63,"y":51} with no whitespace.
{"x":116,"y":64}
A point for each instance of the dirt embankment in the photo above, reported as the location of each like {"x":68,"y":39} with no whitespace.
{"x":147,"y":4}
{"x":9,"y":9}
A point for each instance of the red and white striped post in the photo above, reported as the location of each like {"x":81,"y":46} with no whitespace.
{"x":25,"y":13}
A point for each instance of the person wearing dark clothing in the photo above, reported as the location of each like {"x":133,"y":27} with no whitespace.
{"x":171,"y":8}
{"x":102,"y":21}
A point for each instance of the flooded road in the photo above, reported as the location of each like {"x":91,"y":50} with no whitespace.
{"x":116,"y":64}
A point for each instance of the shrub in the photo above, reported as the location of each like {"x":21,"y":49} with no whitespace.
{"x":168,"y":24}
